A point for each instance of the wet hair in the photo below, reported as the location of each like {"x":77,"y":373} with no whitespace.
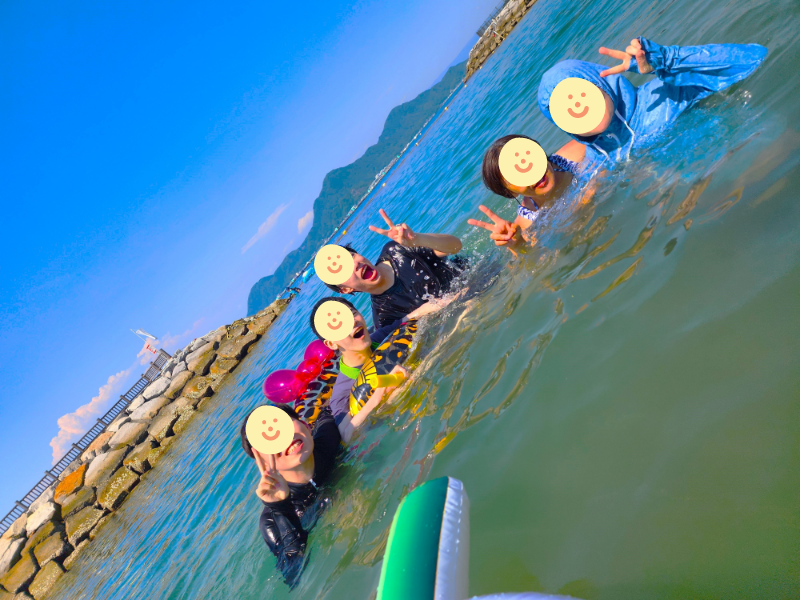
{"x":248,"y":449}
{"x":333,"y":287}
{"x":325,"y":299}
{"x":492,"y":178}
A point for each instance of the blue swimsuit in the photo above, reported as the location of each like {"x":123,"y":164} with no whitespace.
{"x":560,"y":164}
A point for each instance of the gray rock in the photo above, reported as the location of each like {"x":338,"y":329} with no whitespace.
{"x":156,"y":388}
{"x":196,"y":344}
{"x":201,"y":359}
{"x":120,"y":420}
{"x":103,"y":465}
{"x":179,"y":368}
{"x":54,"y":547}
{"x":200,"y":350}
{"x":41,"y":515}
{"x":16,"y":530}
{"x":10,"y":554}
{"x":161,"y":427}
{"x":129,"y":434}
{"x":20,"y":575}
{"x":136,"y":403}
{"x":148,"y":410}
{"x":44,"y":498}
{"x":178,"y":383}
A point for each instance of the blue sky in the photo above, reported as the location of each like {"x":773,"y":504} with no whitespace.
{"x":158,"y":159}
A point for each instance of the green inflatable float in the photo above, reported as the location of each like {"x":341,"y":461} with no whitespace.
{"x":427,"y":555}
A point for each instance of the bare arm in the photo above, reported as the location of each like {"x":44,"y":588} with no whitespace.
{"x":350,"y":424}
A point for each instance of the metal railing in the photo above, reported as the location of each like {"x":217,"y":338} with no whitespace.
{"x":488,"y":22}
{"x":51,"y":475}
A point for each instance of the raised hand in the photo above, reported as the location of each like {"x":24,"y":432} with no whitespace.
{"x":272,"y":487}
{"x":401,"y":234}
{"x":503,"y":232}
{"x":635,"y":50}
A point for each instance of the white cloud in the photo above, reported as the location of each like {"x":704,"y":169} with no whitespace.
{"x":73,"y":425}
{"x":265,"y":227}
{"x":305,"y":221}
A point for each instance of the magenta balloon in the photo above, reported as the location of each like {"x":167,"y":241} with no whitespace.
{"x":317,"y":350}
{"x":309,"y":369}
{"x":284,"y":386}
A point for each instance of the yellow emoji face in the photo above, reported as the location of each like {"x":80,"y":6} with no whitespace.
{"x":333,"y":264}
{"x":334,"y":321}
{"x":522,"y":162}
{"x":577,"y":106}
{"x":269,"y":430}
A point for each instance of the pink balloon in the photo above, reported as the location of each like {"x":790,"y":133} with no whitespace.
{"x":284,"y":386}
{"x":309,"y":369}
{"x":317,"y":350}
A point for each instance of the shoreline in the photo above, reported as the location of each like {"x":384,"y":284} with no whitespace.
{"x":498,"y":30}
{"x":45,"y":541}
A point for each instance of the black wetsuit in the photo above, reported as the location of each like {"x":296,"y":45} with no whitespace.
{"x":418,"y":276}
{"x":280,"y":522}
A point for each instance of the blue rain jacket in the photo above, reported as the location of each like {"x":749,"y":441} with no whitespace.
{"x":685,"y":75}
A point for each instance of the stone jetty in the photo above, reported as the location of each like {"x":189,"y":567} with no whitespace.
{"x":501,"y":26}
{"x":47,"y":540}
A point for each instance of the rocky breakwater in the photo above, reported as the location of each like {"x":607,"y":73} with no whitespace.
{"x":501,"y":26}
{"x":46,"y":541}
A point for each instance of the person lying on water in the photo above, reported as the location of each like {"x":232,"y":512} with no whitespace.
{"x":410,"y":270}
{"x":355,"y":350}
{"x":562,"y":169}
{"x":289,"y":486}
{"x":622,"y":115}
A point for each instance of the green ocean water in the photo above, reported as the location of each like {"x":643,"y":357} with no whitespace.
{"x":622,"y":405}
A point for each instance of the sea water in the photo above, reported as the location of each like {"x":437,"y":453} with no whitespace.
{"x":622,"y":405}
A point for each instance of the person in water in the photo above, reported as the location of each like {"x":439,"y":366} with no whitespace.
{"x":289,"y":486}
{"x":354,"y":350}
{"x":684,"y":76}
{"x":562,"y":168}
{"x":410,"y":270}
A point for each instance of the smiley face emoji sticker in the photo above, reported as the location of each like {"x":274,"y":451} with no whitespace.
{"x":334,"y":264}
{"x":334,"y":320}
{"x":269,"y":430}
{"x":522,"y":162}
{"x":577,"y":106}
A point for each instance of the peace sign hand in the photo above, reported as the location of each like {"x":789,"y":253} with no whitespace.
{"x":635,"y":50}
{"x":503,"y":232}
{"x":272,"y":487}
{"x":402,"y":234}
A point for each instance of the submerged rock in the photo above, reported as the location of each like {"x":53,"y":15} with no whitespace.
{"x":116,"y":488}
{"x":45,"y":579}
{"x":70,"y":560}
{"x":81,"y":523}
